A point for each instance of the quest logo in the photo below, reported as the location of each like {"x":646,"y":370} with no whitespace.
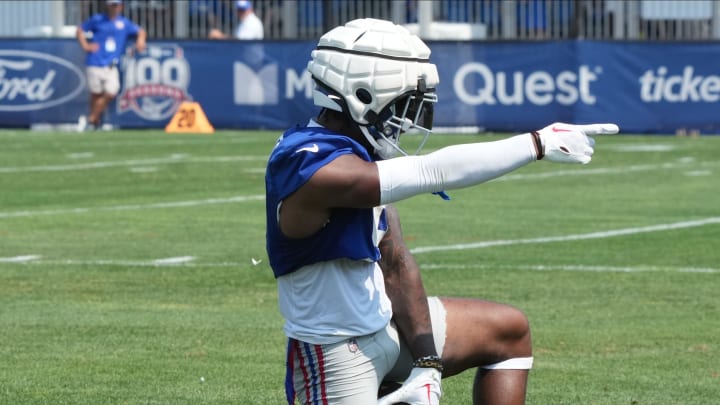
{"x":476,"y":83}
{"x":32,"y":81}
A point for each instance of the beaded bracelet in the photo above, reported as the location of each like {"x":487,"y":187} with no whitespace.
{"x":429,"y":362}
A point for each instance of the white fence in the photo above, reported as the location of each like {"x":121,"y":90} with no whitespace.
{"x":452,"y":19}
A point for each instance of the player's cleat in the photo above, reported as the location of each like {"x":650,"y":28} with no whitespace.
{"x":422,"y":387}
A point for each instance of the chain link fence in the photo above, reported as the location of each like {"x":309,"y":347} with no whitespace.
{"x":439,"y":19}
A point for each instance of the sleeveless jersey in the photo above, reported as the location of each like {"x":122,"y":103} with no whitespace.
{"x":330,"y":285}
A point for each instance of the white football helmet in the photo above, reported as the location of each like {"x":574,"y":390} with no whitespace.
{"x":381,"y":76}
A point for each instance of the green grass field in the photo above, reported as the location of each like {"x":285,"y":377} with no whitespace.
{"x":129,"y":269}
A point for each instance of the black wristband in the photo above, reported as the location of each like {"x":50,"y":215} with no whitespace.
{"x":429,"y":362}
{"x":538,"y":144}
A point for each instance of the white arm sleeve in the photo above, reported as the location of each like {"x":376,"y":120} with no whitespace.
{"x":452,"y":167}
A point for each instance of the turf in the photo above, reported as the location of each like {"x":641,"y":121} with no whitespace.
{"x":129,"y":268}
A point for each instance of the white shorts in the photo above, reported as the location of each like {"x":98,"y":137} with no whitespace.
{"x":350,"y":372}
{"x":103,"y":80}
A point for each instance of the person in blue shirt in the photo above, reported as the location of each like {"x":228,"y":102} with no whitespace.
{"x":356,"y":313}
{"x":110,"y":34}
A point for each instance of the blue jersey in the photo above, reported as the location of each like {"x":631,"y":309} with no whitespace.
{"x":300,"y":153}
{"x":111,"y":37}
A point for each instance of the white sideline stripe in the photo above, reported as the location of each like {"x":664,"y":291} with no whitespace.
{"x":81,"y":155}
{"x":603,"y":170}
{"x":431,"y":266}
{"x":567,"y":238}
{"x":174,"y":204}
{"x":646,"y":147}
{"x":134,"y":263}
{"x":575,"y":267}
{"x":695,"y":173}
{"x":173,"y":260}
{"x":143,"y":169}
{"x":136,"y":162}
{"x":222,"y":159}
{"x":19,"y":259}
{"x":109,"y":142}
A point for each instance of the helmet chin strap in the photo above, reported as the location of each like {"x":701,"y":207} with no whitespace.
{"x":384,"y":148}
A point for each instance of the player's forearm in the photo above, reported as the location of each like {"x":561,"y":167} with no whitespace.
{"x":453,"y":167}
{"x":404,"y":287}
{"x":412,"y":317}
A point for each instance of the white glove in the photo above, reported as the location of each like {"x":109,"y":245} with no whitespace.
{"x":422,"y":387}
{"x":566,"y":143}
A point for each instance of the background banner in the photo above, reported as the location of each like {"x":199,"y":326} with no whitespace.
{"x":497,"y":86}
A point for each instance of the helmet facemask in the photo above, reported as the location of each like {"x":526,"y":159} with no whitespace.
{"x":411,"y":112}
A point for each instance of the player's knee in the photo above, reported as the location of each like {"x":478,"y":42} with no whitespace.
{"x":516,"y":331}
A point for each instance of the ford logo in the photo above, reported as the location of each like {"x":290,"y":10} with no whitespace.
{"x":34,"y":81}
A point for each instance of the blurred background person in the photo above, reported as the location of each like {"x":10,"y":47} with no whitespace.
{"x":110,"y":33}
{"x":249,"y":25}
{"x":206,"y":15}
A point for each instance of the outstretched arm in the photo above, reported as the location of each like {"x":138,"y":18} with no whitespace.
{"x":349,"y":181}
{"x":460,"y":166}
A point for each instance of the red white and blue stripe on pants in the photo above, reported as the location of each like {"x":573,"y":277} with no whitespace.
{"x":311,"y":363}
